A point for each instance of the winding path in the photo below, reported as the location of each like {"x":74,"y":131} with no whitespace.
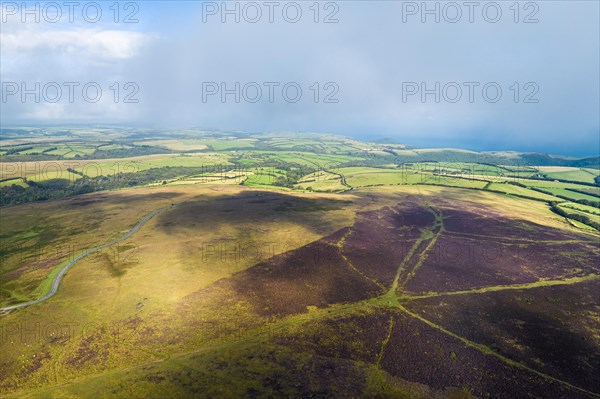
{"x":65,"y":269}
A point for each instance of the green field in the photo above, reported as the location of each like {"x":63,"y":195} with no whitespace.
{"x":593,"y":213}
{"x":366,"y":177}
{"x":585,"y":175}
{"x":522,"y":191}
{"x":570,"y":194}
{"x":560,"y":188}
{"x":308,"y":159}
{"x":321,"y":181}
{"x":580,"y":207}
{"x":262,"y":177}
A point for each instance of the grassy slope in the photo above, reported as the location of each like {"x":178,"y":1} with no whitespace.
{"x":512,"y":189}
{"x":169,"y":267}
{"x":175,"y":256}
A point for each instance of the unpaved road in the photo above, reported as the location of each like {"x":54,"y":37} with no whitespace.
{"x":64,"y":270}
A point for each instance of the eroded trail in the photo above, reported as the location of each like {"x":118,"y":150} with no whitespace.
{"x":340,"y":245}
{"x":497,"y":288}
{"x":487,"y":351}
{"x":418,"y":252}
{"x":410,"y":265}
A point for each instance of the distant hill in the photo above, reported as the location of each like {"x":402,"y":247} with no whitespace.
{"x":593,"y":162}
{"x":380,"y":151}
{"x":500,"y":158}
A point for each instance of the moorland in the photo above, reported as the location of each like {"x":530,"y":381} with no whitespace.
{"x":229,"y":264}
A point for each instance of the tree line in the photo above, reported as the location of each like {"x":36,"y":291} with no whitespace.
{"x":61,"y":188}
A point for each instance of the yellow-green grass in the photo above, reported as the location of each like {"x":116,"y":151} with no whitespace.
{"x":46,"y":170}
{"x":110,"y":167}
{"x":324,"y":186}
{"x":262,"y":176}
{"x":454,"y":181}
{"x":177,"y":145}
{"x":290,"y":143}
{"x":79,"y":150}
{"x":322,"y":161}
{"x":593,"y":171}
{"x":259,"y":180}
{"x":106,"y":223}
{"x":64,"y":149}
{"x":221,"y":145}
{"x":462,"y":168}
{"x":552,"y":184}
{"x":363,"y":176}
{"x":555,"y":169}
{"x":582,"y":226}
{"x":300,"y":158}
{"x":329,"y":146}
{"x":578,"y":175}
{"x":59,"y":151}
{"x":568,"y":173}
{"x":517,"y":190}
{"x":17,"y":182}
{"x":112,"y":147}
{"x":51,"y":174}
{"x":170,"y":258}
{"x":196,"y":369}
{"x":319,"y":175}
{"x":40,"y":237}
{"x":35,"y":140}
{"x":146,"y":304}
{"x":208,"y":178}
{"x":571,"y":194}
{"x":45,"y":285}
{"x":554,"y":187}
{"x":321,"y":181}
{"x":595,"y":217}
{"x":580,"y":207}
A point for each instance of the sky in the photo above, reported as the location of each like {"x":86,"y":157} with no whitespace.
{"x":500,"y":75}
